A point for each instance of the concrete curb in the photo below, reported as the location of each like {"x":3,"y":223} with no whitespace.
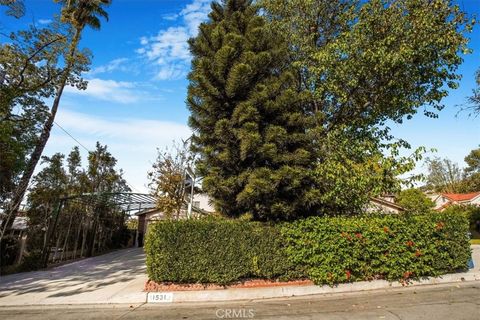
{"x":302,"y":290}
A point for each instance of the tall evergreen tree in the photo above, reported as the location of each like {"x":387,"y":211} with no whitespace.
{"x":249,"y":128}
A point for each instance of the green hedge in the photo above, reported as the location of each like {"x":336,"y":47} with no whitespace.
{"x":473,"y":214}
{"x":327,"y":250}
{"x":215,"y":251}
{"x":390,"y":247}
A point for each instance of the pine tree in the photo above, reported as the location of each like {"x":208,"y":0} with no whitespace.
{"x":247,"y":117}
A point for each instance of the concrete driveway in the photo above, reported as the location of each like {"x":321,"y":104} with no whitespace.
{"x":116,"y":277}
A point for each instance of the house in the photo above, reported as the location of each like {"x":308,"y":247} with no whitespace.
{"x":385,"y":204}
{"x":201,"y":206}
{"x":444,"y":200}
{"x":19,"y":225}
{"x":19,"y":231}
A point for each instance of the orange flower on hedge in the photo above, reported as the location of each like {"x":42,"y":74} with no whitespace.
{"x":410,"y":243}
{"x":386,"y":229}
{"x":358,"y":235}
{"x":418,"y":253}
{"x":348,"y":274}
{"x":439,"y":225}
{"x":346,"y":235}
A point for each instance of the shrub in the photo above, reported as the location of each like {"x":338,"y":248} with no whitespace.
{"x":32,"y":261}
{"x":327,"y":250}
{"x":472,"y":213}
{"x":214,"y":251}
{"x":414,"y":201}
{"x":391,"y":247}
{"x":8,"y":250}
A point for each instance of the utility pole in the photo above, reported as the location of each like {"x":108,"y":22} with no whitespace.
{"x":192,"y":190}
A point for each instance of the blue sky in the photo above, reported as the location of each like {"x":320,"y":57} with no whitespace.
{"x":135,"y":101}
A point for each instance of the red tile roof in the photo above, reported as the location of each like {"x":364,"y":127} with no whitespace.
{"x":461,"y":196}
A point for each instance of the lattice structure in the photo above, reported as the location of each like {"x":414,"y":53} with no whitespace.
{"x":88,"y":224}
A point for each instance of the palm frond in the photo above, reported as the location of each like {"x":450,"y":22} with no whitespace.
{"x":16,"y":8}
{"x":85,"y":12}
{"x":93,"y":22}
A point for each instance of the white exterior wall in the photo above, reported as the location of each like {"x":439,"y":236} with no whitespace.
{"x":378,"y":207}
{"x":476,"y":201}
{"x":440,"y":201}
{"x":204,"y":202}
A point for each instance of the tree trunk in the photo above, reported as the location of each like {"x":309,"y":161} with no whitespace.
{"x":77,"y":237}
{"x":57,"y":243}
{"x":21,"y":189}
{"x":92,"y":238}
{"x":66,"y":240}
{"x":84,"y":240}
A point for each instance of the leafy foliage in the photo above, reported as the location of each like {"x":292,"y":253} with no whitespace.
{"x":473,"y":161}
{"x":75,"y":16}
{"x":474,"y":99}
{"x":354,"y":169}
{"x":327,"y":250}
{"x":472,"y":212}
{"x":77,"y":223}
{"x":391,"y":247}
{"x":28,"y":71}
{"x":273,"y":95}
{"x":444,"y":175}
{"x":414,"y":201}
{"x":366,"y":62}
{"x":168,"y":177}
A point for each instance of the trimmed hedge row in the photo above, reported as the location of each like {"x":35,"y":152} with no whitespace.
{"x":326,"y":250}
{"x":390,"y":247}
{"x":215,"y":251}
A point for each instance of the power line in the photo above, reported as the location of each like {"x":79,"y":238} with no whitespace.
{"x":71,"y":136}
{"x":76,"y":140}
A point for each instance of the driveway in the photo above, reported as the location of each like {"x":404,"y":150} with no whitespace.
{"x":116,"y":277}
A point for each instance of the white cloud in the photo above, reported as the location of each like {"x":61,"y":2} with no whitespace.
{"x":170,"y":17}
{"x":132,"y":141}
{"x":44,"y":21}
{"x":168,"y":50}
{"x":114,"y":65}
{"x":195,"y":13}
{"x":110,"y":90}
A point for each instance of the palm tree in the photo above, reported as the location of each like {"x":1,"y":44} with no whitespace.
{"x":78,"y":14}
{"x":16,"y":8}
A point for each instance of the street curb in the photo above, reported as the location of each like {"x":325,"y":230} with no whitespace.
{"x":300,"y":290}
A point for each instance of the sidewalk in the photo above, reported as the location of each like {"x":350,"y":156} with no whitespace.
{"x":119,"y":278}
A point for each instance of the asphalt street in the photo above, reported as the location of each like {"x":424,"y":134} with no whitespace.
{"x":452,"y":301}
